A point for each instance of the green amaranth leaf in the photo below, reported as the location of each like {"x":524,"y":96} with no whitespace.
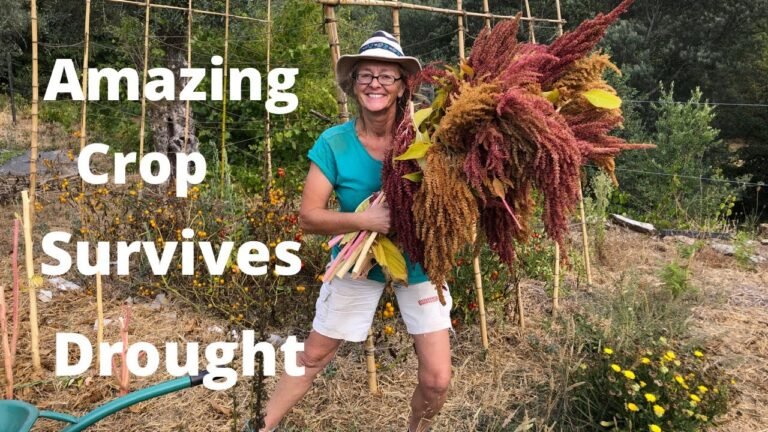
{"x":414,"y":176}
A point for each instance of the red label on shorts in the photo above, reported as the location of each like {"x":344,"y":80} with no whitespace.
{"x":424,"y":301}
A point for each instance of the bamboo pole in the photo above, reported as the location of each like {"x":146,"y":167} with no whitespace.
{"x":84,"y":104}
{"x":370,"y":349}
{"x":585,"y":239}
{"x":519,"y":303}
{"x":199,"y":11}
{"x":16,"y":288}
{"x":99,"y":315}
{"x":333,"y":42}
{"x":559,"y":19}
{"x":84,"y":84}
{"x":486,"y":11}
{"x":268,"y":125}
{"x":34,"y":328}
{"x":7,"y":356}
{"x":35,"y":102}
{"x":556,"y":282}
{"x":224,"y":99}
{"x":143,"y":120}
{"x":401,"y":5}
{"x":396,"y":23}
{"x":531,"y":34}
{"x":480,"y":300}
{"x":189,"y":65}
{"x":460,"y":21}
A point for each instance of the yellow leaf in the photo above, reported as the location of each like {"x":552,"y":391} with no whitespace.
{"x":498,"y":188}
{"x":467,"y":69}
{"x":552,"y":95}
{"x":602,"y":99}
{"x":390,"y":259}
{"x":440,"y":99}
{"x":420,"y":116}
{"x":414,"y":176}
{"x":416,"y":150}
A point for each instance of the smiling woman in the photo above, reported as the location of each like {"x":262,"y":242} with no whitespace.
{"x":347,"y":160}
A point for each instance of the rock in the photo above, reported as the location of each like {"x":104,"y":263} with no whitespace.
{"x":215,"y":329}
{"x":45,"y":295}
{"x":159,"y":301}
{"x":62,"y":284}
{"x":764,"y":241}
{"x":763,"y":229}
{"x":634,"y":225}
{"x":757,"y":259}
{"x":19,"y":166}
{"x":275,"y":340}
{"x":723,"y":248}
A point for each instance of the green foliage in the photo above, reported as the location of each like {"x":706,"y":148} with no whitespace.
{"x":744,"y":250}
{"x":675,"y":278}
{"x":678,"y":184}
{"x":663,"y":387}
{"x":596,"y":209}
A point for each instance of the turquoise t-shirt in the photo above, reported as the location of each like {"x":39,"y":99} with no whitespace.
{"x":355,"y":175}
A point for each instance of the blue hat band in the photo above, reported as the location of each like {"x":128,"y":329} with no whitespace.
{"x":381,"y":45}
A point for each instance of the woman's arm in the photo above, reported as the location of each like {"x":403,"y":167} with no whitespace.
{"x":315,"y":218}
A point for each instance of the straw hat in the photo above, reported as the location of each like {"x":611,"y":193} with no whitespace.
{"x":382,"y":46}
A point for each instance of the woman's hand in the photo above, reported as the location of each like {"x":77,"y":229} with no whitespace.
{"x":377,"y":218}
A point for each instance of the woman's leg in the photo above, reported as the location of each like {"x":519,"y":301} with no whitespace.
{"x":434,"y":354}
{"x":318,"y":351}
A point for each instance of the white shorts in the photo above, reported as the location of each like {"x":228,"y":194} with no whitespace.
{"x":346,"y":307}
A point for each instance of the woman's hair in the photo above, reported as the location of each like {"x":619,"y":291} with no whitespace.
{"x":347,"y":85}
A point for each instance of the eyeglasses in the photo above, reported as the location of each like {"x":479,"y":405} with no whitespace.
{"x":367,"y":78}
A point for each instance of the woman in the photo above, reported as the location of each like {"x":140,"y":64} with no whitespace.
{"x":347,"y":160}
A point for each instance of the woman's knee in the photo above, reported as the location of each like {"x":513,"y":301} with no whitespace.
{"x":436,"y":381}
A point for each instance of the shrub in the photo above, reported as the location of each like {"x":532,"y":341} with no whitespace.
{"x":661,"y":388}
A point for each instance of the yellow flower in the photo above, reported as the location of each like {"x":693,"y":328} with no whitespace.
{"x":701,"y":417}
{"x":642,"y":384}
{"x":607,"y":350}
{"x":606,"y":423}
{"x":645,"y":360}
{"x":653,"y":428}
{"x":632,"y":407}
{"x":659,"y":410}
{"x":695,"y":398}
{"x":702,"y":389}
{"x":650,"y":397}
{"x":681,"y":381}
{"x":669,"y":356}
{"x":698,"y":353}
{"x":629,"y":374}
{"x":616,"y":367}
{"x":688,"y":412}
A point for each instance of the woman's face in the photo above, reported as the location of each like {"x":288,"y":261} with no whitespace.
{"x":375,"y":97}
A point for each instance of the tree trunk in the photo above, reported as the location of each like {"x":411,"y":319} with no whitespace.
{"x":167,"y":118}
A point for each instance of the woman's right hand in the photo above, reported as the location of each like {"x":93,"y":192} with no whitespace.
{"x":376,"y":218}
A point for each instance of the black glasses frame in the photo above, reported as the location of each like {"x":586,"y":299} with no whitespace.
{"x":356,"y":76}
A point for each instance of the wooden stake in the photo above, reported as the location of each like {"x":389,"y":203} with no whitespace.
{"x":189,"y":65}
{"x":84,"y":84}
{"x":35,"y":98}
{"x":224,"y":99}
{"x":34,"y":328}
{"x":410,"y":6}
{"x":16,"y":289}
{"x":460,"y":21}
{"x":333,"y":42}
{"x":556,"y":282}
{"x":364,"y":253}
{"x":585,"y":239}
{"x":519,"y":302}
{"x":99,"y":316}
{"x":370,"y":358}
{"x":7,"y":357}
{"x":486,"y":11}
{"x":84,"y":104}
{"x":531,"y":35}
{"x":559,"y":19}
{"x":268,"y":125}
{"x":143,"y":121}
{"x":396,"y":23}
{"x":480,"y":297}
{"x":199,"y":11}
